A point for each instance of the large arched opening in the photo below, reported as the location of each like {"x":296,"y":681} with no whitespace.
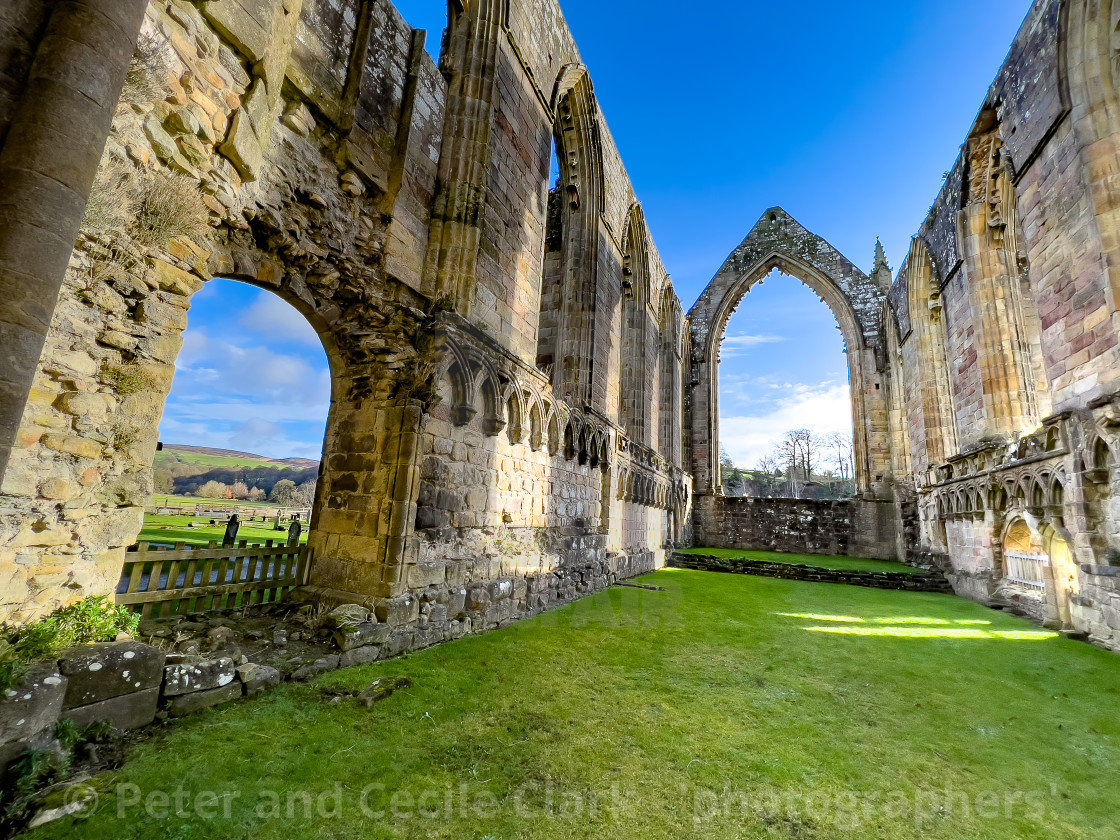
{"x":779,"y":243}
{"x":784,"y":399}
{"x":243,"y":425}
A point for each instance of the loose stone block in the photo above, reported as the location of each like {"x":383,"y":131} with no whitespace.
{"x":257,"y":678}
{"x":362,"y":635}
{"x":316,"y":668}
{"x":128,"y":711}
{"x":111,"y":669}
{"x":198,"y":676}
{"x":34,"y":704}
{"x":185,"y":704}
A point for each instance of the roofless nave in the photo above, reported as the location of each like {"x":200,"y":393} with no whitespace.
{"x":570,"y":434}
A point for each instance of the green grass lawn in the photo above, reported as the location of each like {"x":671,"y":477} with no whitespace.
{"x":171,"y":529}
{"x":827,"y":711}
{"x":843,"y":564}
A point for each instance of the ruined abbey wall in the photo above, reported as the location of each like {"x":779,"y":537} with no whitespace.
{"x":313,"y":148}
{"x":1003,"y":336}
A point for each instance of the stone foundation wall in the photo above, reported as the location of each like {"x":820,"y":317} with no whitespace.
{"x":324,"y":156}
{"x":811,"y":574}
{"x":851,"y":528}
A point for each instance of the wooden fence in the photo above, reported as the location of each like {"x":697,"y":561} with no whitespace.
{"x":159,"y":582}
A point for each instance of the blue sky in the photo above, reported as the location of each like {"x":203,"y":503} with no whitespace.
{"x":844,"y":114}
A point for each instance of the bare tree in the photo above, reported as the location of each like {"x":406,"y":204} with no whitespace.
{"x":840,"y":447}
{"x":799,"y":452}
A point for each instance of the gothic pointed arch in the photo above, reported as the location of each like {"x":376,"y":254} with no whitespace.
{"x":779,"y":242}
{"x":566,"y":325}
{"x":639,"y":333}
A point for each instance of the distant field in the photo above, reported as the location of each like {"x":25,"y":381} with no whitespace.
{"x":173,"y":529}
{"x":226,"y":459}
{"x":190,"y":501}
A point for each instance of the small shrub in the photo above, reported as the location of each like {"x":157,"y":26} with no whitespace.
{"x":112,"y":202}
{"x":170,"y":206}
{"x":95,"y":619}
{"x":147,"y":72}
{"x":124,"y":381}
{"x":416,"y":381}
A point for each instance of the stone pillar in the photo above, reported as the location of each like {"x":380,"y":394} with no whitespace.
{"x":47,"y":167}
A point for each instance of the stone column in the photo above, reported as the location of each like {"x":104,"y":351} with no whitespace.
{"x":47,"y":167}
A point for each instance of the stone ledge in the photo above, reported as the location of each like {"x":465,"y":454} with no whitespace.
{"x":813,"y":574}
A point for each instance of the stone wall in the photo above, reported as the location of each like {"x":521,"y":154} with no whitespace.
{"x":314,"y":149}
{"x":850,"y":528}
{"x":896,"y":581}
{"x":1008,"y":329}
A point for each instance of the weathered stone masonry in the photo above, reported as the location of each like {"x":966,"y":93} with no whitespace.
{"x":519,"y":401}
{"x":402,"y":208}
{"x":1003,"y":330}
{"x":985,"y":375}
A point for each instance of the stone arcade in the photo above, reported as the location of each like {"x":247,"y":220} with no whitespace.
{"x":571,"y":433}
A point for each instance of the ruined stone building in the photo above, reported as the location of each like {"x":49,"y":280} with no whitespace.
{"x":522,"y":412}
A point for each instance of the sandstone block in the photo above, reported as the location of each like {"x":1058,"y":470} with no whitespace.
{"x":398,"y":611}
{"x":317,"y":668}
{"x":129,"y":711}
{"x":172,"y":279}
{"x":258,"y":678}
{"x":71,"y":445}
{"x":360,"y":636}
{"x":190,"y":677}
{"x":34,"y":704}
{"x":359,"y":656}
{"x":102,"y":671}
{"x":243,"y":148}
{"x":185,"y":704}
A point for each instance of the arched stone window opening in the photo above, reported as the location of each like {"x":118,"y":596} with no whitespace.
{"x":1057,"y":494}
{"x":816,"y":459}
{"x":493,"y":420}
{"x":1010,"y":347}
{"x":463,"y":409}
{"x":1053,"y":439}
{"x":569,"y":441}
{"x":1038,"y":496}
{"x":671,"y":405}
{"x":1102,"y":456}
{"x":567,"y":311}
{"x":639,"y":335}
{"x":1025,"y":560}
{"x":779,"y":243}
{"x":250,"y":377}
{"x":553,"y":434}
{"x":514,"y":425}
{"x":581,"y":447}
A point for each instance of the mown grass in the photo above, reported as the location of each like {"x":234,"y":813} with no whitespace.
{"x":843,"y":564}
{"x":172,"y":529}
{"x":828,"y":711}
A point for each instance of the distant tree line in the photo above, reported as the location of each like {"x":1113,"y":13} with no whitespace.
{"x":802,"y":465}
{"x":255,"y":484}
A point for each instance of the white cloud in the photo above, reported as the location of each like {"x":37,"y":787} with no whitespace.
{"x":738,"y":345}
{"x":218,"y":368}
{"x":231,"y":394}
{"x":822,"y":408}
{"x":268,"y":439}
{"x":277,"y":319}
